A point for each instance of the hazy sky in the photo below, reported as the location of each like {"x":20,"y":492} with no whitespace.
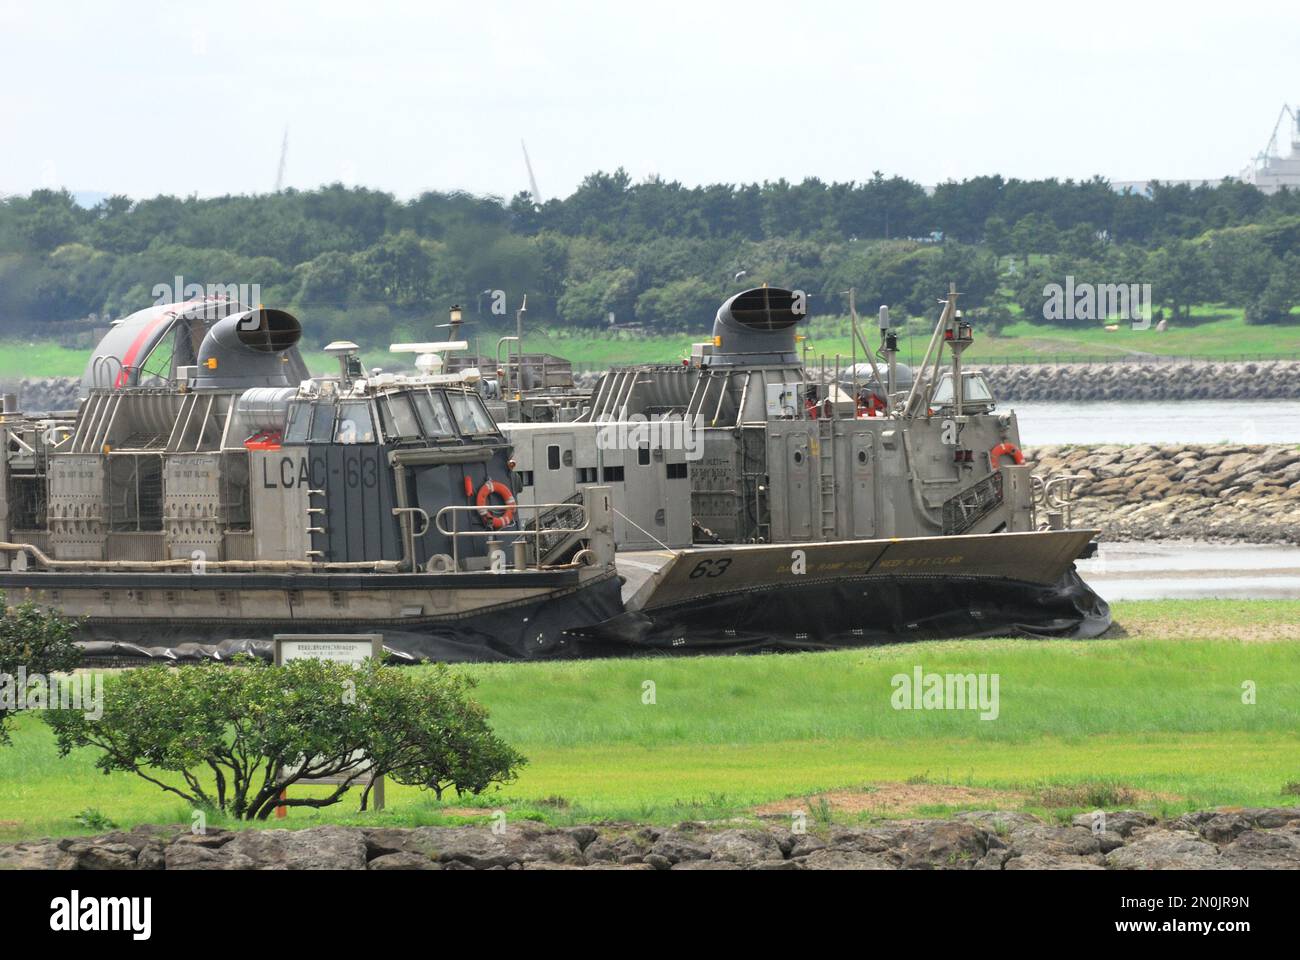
{"x":144,"y":98}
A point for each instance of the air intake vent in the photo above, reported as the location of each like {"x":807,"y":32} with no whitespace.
{"x":765,"y":308}
{"x":269,"y":331}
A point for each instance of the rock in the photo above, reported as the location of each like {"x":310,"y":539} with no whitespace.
{"x":613,"y":849}
{"x":98,"y":855}
{"x":1264,"y":850}
{"x":40,"y":855}
{"x":1122,"y":822}
{"x":1225,"y":828}
{"x":804,"y":844}
{"x":402,"y":861}
{"x":189,"y":856}
{"x":1159,"y":849}
{"x":944,"y":846}
{"x":707,"y":865}
{"x":675,"y":848}
{"x":743,"y":846}
{"x":153,"y":856}
{"x":316,"y":848}
{"x":481,"y":849}
{"x":1044,"y":861}
{"x":836,"y":859}
{"x":582,"y":836}
{"x":1237,"y":838}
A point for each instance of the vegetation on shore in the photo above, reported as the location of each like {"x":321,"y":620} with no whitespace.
{"x":1153,"y":717}
{"x":654,"y":256}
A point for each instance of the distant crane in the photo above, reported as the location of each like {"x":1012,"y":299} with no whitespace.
{"x":532,"y":180}
{"x":1270,"y":151}
{"x":284,"y":150}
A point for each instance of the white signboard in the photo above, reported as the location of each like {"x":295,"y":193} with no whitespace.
{"x":349,"y":648}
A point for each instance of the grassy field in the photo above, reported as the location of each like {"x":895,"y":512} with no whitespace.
{"x":1215,"y":332}
{"x":1152,"y":717}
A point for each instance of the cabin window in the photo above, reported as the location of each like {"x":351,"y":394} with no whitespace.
{"x":356,"y":424}
{"x":322,"y":423}
{"x":401,"y":421}
{"x":643,"y":456}
{"x":677,"y":471}
{"x":612,"y":474}
{"x":525,"y":478}
{"x":587,"y":474}
{"x":471,"y":415}
{"x":433,"y":414}
{"x":553,"y":457}
{"x":299,"y":423}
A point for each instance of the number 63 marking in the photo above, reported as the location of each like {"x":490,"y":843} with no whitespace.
{"x":711,"y":568}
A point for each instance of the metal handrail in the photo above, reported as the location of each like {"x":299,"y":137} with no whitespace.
{"x":1061,"y":501}
{"x":456,"y":533}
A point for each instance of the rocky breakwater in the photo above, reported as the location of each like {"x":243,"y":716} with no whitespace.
{"x":985,"y":840}
{"x":1181,"y":491}
{"x":1132,"y":380}
{"x":37,"y":395}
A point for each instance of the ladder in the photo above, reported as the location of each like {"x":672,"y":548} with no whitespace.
{"x":826,"y":469}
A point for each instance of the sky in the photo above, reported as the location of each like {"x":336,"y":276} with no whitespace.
{"x":143,"y":98}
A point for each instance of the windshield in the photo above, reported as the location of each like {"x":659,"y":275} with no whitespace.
{"x":299,"y":421}
{"x":470,"y":413}
{"x":399,"y":417}
{"x":322,"y":424}
{"x":356,"y":425}
{"x":433,"y":414}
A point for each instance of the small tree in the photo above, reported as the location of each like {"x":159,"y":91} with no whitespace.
{"x":440,"y":739}
{"x":234,"y":738}
{"x":33,"y":642}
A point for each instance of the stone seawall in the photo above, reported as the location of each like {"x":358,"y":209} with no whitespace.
{"x":44,"y":395}
{"x":1164,"y":380}
{"x":1182,"y":491}
{"x":985,"y":840}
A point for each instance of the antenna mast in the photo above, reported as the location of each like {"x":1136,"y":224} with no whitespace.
{"x":284,"y":150}
{"x":532,"y":180}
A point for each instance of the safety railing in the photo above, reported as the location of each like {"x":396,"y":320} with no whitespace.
{"x":521,"y":536}
{"x":1055,"y":496}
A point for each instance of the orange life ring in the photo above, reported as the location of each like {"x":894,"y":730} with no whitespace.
{"x":489,"y":515}
{"x":1004,"y":448}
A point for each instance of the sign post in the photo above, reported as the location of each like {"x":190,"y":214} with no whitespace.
{"x":350,"y":648}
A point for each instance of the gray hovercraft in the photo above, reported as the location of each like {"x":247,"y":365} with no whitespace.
{"x":210,"y":493}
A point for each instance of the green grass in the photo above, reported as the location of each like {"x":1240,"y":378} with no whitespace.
{"x":1215,"y":331}
{"x":21,"y":358}
{"x":1158,"y":711}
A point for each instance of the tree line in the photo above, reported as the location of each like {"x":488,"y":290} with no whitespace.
{"x":656,"y":254}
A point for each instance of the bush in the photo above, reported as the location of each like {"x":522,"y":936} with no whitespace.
{"x":35,"y":642}
{"x":233,"y":738}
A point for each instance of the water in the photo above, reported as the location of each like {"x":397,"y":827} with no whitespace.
{"x":1186,"y":570}
{"x":1156,"y":422}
